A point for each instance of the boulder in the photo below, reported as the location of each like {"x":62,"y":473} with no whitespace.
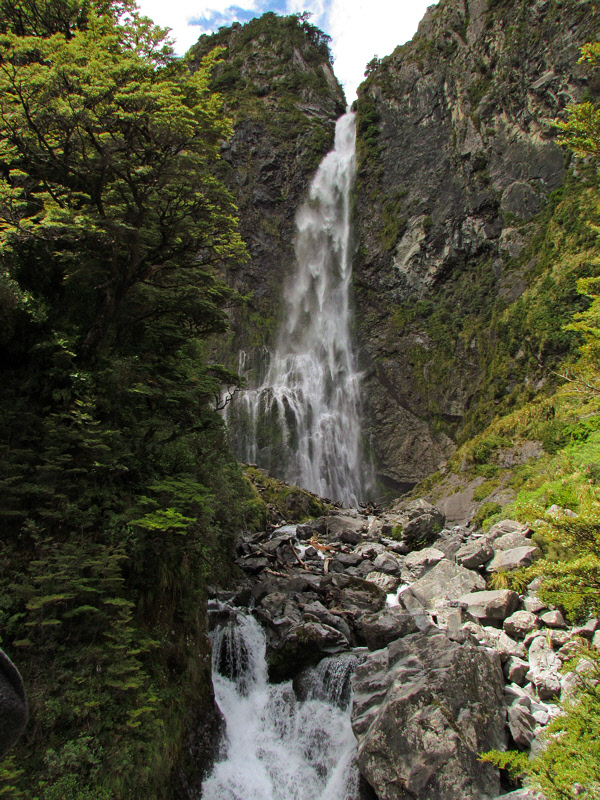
{"x":417,"y":563}
{"x":515,"y":669}
{"x":588,"y":630}
{"x":508,"y":560}
{"x":446,"y":580}
{"x":475,"y":553}
{"x":421,"y":523}
{"x":378,"y":630}
{"x":520,"y":624}
{"x":521,"y":724}
{"x":506,"y":526}
{"x":511,"y":540}
{"x":490,"y":606}
{"x":544,"y":668}
{"x":388,"y":583}
{"x":386,"y":562}
{"x":553,"y":619}
{"x":349,"y":559}
{"x":424,"y":708}
{"x":302,"y":646}
{"x":318,"y":611}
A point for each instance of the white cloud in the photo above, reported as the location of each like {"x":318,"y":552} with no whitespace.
{"x":360,"y":29}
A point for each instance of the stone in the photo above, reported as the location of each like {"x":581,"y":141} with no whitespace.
{"x":533,"y":605}
{"x":521,"y":724}
{"x":475,"y":553}
{"x":350,"y":537}
{"x":420,"y":522}
{"x":521,"y":794}
{"x":511,"y":540}
{"x":388,"y":583}
{"x":515,"y":669}
{"x":379,"y":629}
{"x":508,"y":560}
{"x":556,"y":511}
{"x":588,"y":630}
{"x":385,"y":562}
{"x":417,"y":563}
{"x":424,"y":708}
{"x":544,"y":668}
{"x":520,"y":624}
{"x":490,"y":605}
{"x":596,"y":640}
{"x":558,"y":638}
{"x":553,"y":619}
{"x":445,"y":580}
{"x":349,"y":559}
{"x":254,"y":565}
{"x":322,"y":614}
{"x":504,"y":527}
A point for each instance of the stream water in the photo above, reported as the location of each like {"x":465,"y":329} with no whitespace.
{"x":276,"y":746}
{"x":303,"y":421}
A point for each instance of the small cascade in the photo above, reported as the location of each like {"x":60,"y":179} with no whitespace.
{"x":303,"y":421}
{"x":278,"y":748}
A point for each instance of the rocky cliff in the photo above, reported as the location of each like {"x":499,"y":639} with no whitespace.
{"x":279,"y":88}
{"x":457,"y":161}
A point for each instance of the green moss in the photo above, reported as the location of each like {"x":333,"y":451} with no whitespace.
{"x":484,"y":512}
{"x":484,"y":490}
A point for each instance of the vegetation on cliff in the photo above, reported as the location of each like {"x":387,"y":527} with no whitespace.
{"x":119,"y":496}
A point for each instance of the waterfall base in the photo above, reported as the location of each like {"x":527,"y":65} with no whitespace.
{"x":276,"y":746}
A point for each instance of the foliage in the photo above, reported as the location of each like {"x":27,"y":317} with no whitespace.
{"x":484,"y":512}
{"x":581,"y":130}
{"x":568,"y":766}
{"x":119,"y":497}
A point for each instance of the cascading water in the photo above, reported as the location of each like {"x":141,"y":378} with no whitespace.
{"x":303,"y":421}
{"x":278,"y":748}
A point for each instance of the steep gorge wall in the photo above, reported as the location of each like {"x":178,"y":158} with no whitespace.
{"x":457,"y":160}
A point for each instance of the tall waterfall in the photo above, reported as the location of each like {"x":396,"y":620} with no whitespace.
{"x":303,"y":421}
{"x":278,"y":748}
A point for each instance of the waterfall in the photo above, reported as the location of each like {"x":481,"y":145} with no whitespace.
{"x":303,"y":421}
{"x":278,"y":748}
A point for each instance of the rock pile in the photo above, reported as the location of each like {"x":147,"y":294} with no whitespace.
{"x":449,"y":668}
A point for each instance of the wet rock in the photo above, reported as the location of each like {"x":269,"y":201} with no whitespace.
{"x":350,"y":537}
{"x":508,"y":560}
{"x":378,"y":630}
{"x":417,"y":563}
{"x":302,"y":646}
{"x":490,"y":606}
{"x":520,"y":624}
{"x":424,"y":708}
{"x":254,"y":565}
{"x":475,"y":553}
{"x":322,"y":614}
{"x":445,"y":580}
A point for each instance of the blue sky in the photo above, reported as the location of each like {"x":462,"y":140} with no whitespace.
{"x":360,"y":29}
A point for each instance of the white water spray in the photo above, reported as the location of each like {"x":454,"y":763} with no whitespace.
{"x":303,"y":421}
{"x":278,"y":748}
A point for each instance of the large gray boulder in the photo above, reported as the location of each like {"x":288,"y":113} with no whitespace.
{"x":517,"y":557}
{"x":379,"y":629}
{"x":419,"y":521}
{"x":475,"y":553}
{"x":490,"y":606}
{"x":544,"y":668}
{"x":424,"y":708}
{"x":447,"y":581}
{"x":417,"y":563}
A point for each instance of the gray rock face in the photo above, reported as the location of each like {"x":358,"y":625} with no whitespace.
{"x":446,"y":580}
{"x":521,"y":723}
{"x":424,"y":707}
{"x":420,"y":522}
{"x":488,"y":606}
{"x":449,"y":158}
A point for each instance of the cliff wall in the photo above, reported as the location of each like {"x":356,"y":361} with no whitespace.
{"x":457,"y":161}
